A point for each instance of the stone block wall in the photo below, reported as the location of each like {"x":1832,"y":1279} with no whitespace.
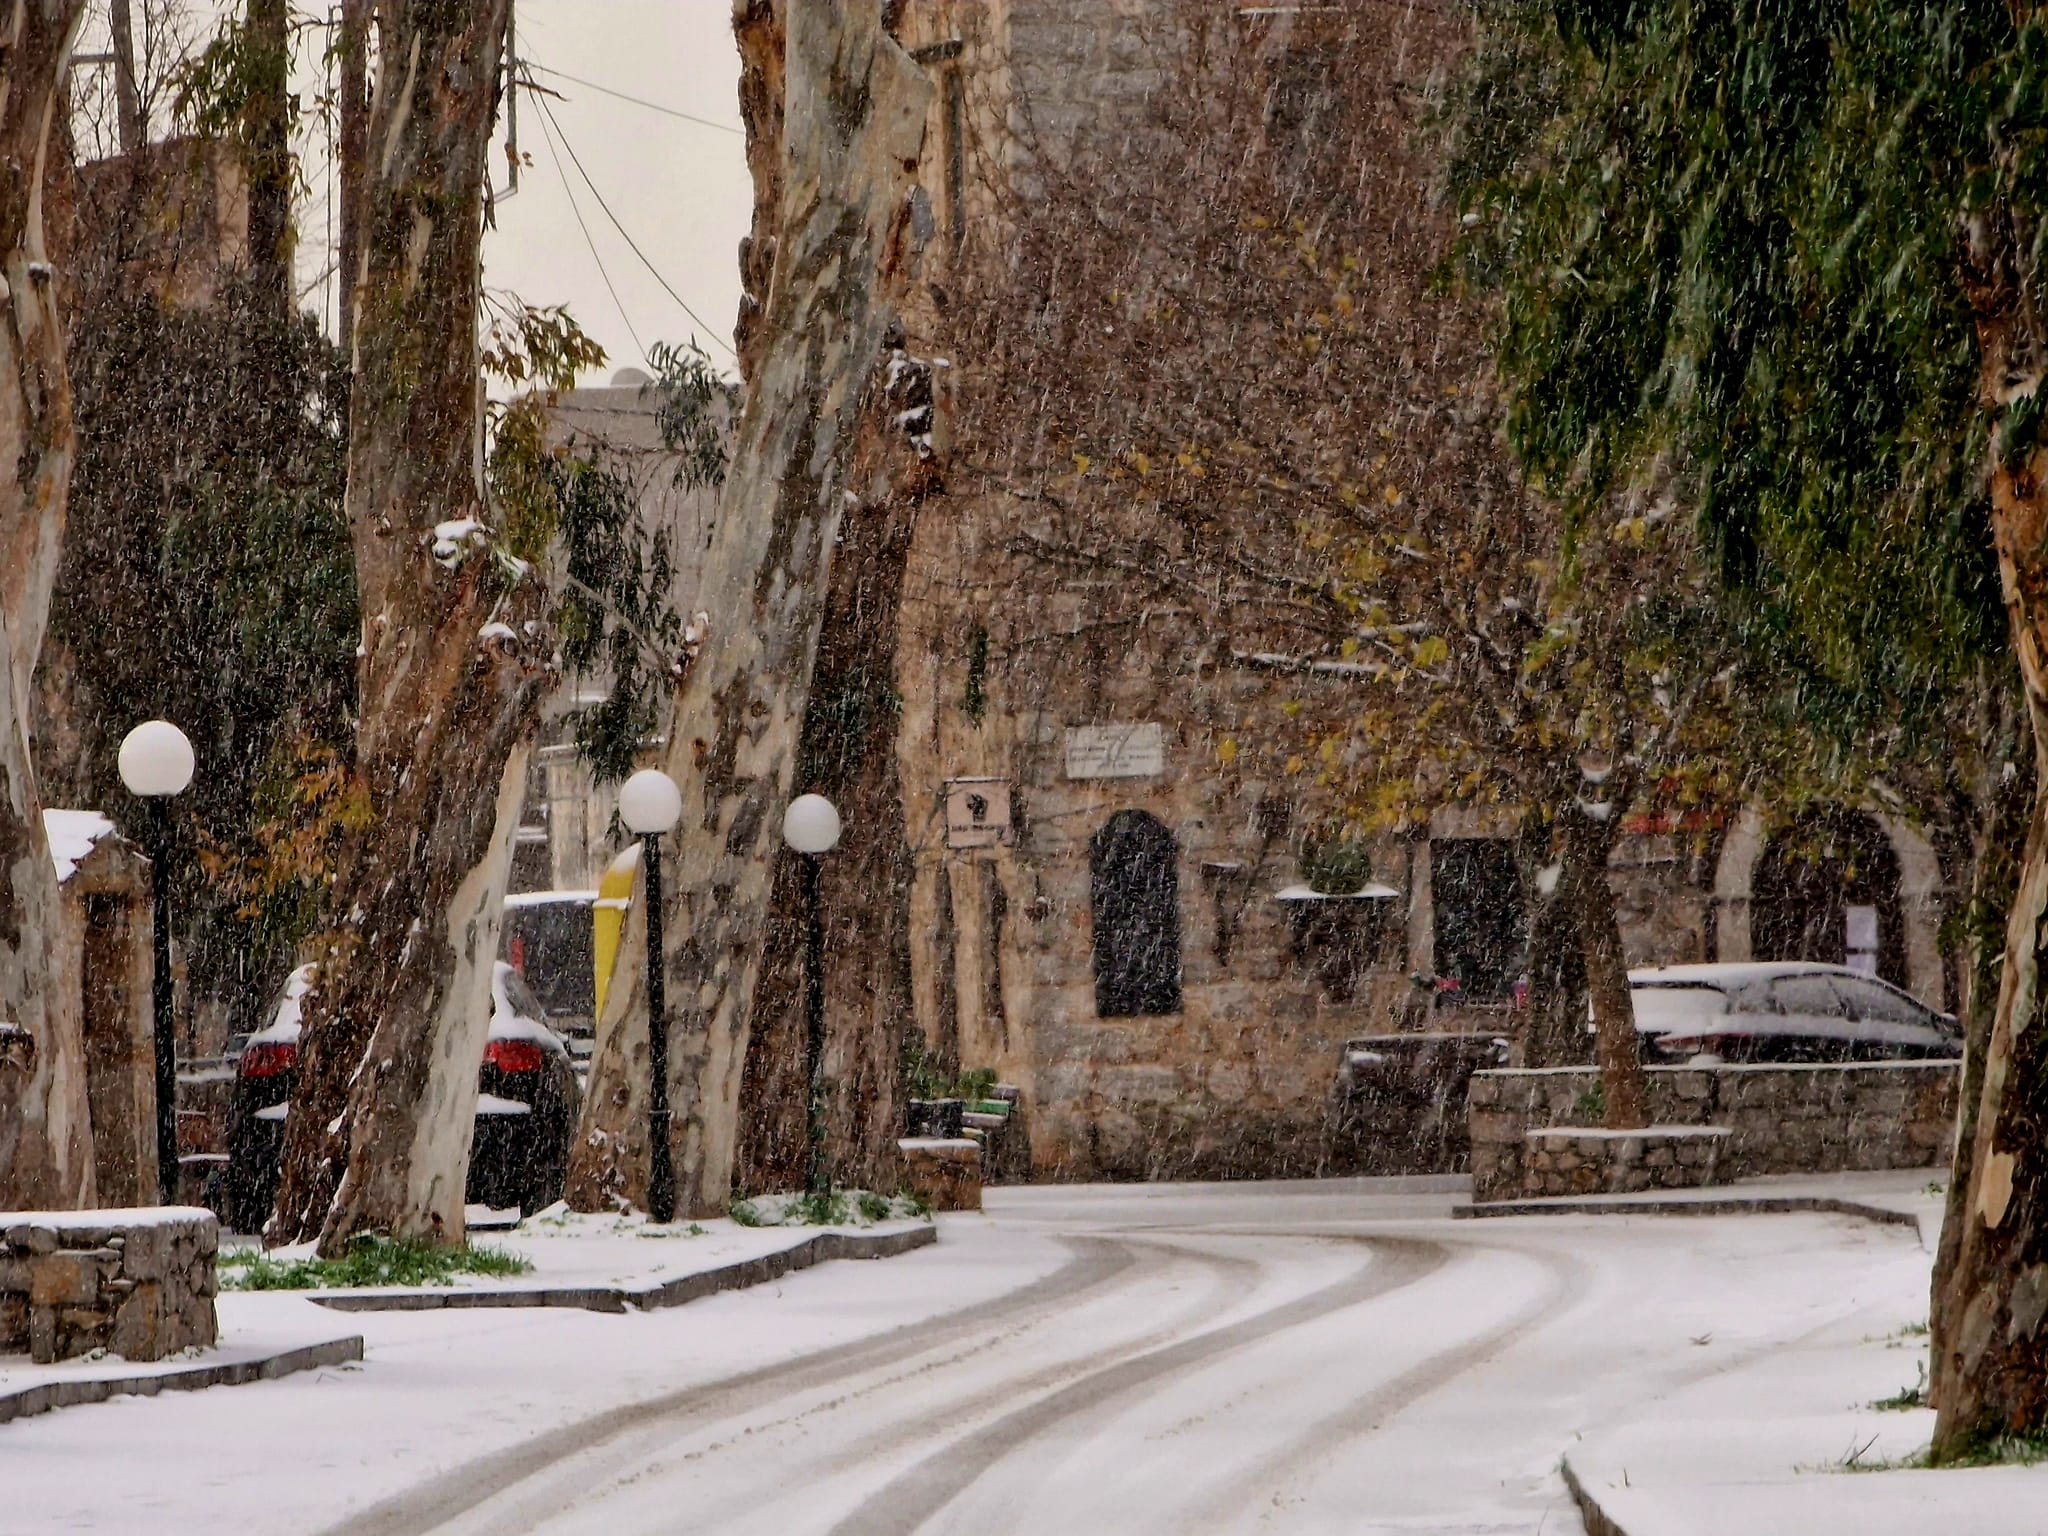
{"x":136,"y":1283}
{"x":1781,"y":1119}
{"x":1581,"y":1160}
{"x":944,"y":1172}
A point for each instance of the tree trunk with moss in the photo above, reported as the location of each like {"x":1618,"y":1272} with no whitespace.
{"x":452,"y":675}
{"x":45,"y":1127}
{"x":1989,"y":1345}
{"x":853,"y":122}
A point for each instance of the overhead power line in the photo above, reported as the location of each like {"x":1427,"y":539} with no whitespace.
{"x":548,"y":116}
{"x":548,"y":133}
{"x":638,"y":101}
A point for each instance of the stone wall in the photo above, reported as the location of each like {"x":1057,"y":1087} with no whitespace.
{"x":1781,"y":1119}
{"x":136,"y":1283}
{"x":1584,"y":1160}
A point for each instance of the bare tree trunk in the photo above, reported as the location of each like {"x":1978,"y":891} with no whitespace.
{"x":353,"y":154}
{"x":45,"y":1128}
{"x":854,"y":120}
{"x":269,"y":152}
{"x":2005,"y":812}
{"x":848,"y":754}
{"x":128,"y":122}
{"x":452,"y":675}
{"x":1555,"y":1033}
{"x":1991,"y":1354}
{"x":1590,"y":823}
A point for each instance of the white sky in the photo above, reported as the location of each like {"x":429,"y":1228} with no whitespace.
{"x":680,"y":190}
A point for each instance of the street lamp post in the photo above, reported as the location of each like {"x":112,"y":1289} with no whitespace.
{"x":811,"y":828}
{"x":649,"y":805}
{"x":156,"y":763}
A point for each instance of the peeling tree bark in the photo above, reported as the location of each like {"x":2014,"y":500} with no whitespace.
{"x":854,"y":123}
{"x":378,"y":1139}
{"x":45,"y":1129}
{"x":1990,"y":1348}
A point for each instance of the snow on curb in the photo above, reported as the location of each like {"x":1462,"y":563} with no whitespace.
{"x":1666,"y":1205}
{"x":759,"y":1269}
{"x":70,"y":1391}
{"x":1595,"y":1519}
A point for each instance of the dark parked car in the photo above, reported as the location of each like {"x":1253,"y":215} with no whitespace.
{"x":1783,"y":1011}
{"x":527,"y":1103}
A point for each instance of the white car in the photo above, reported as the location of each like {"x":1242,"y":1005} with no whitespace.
{"x":1783,"y":1011}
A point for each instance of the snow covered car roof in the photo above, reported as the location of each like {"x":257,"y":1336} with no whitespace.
{"x":1730,"y":975}
{"x":1679,"y":1002}
{"x":514,"y":1013}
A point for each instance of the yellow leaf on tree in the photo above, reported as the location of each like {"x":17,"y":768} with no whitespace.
{"x":1226,"y":749}
{"x":1081,"y":463}
{"x":1142,"y":464}
{"x":1430,"y":650}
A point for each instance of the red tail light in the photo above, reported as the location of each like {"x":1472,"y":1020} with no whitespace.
{"x":269,"y":1058}
{"x":515,"y":1056}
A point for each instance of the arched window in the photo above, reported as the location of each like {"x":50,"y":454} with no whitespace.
{"x":1134,"y":890}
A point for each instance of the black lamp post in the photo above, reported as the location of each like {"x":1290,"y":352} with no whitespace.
{"x":649,"y":805}
{"x":156,"y":763}
{"x":811,"y":828}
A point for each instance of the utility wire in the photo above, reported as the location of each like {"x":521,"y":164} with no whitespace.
{"x":547,"y":114}
{"x":638,"y":101}
{"x":617,"y":303}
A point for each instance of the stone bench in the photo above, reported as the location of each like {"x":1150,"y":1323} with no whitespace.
{"x":943,"y":1172}
{"x":1587,"y":1160}
{"x":136,"y":1283}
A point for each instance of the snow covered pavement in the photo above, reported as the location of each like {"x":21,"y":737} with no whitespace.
{"x":1254,"y":1357}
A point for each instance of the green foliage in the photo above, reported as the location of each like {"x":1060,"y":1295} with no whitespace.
{"x":1914,"y":1396}
{"x":925,"y":1078}
{"x":577,"y":501}
{"x":694,"y":406}
{"x":220,"y":92}
{"x":1337,"y":864}
{"x":974,"y":701}
{"x":208,"y":576}
{"x":834,"y":1208}
{"x":371,"y":1260}
{"x":1727,"y":240}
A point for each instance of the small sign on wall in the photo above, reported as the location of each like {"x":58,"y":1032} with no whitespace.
{"x":978,"y":813}
{"x":1116,"y":751}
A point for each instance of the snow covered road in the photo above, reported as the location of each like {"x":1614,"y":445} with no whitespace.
{"x":1258,"y":1357}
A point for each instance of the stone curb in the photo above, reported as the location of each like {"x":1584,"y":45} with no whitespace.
{"x":669,"y":1293}
{"x":43,"y":1396}
{"x":1597,"y":1521}
{"x":1734,"y":1205}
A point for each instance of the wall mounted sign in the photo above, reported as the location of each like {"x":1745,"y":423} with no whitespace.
{"x":978,"y":813}
{"x":1116,"y":752}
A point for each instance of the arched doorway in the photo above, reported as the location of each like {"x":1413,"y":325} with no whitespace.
{"x":1827,"y":888}
{"x":1134,"y":892}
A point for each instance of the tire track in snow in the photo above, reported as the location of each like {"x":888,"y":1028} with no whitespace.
{"x":909,"y":1500}
{"x":1098,"y":1262}
{"x":1265,"y":1481}
{"x":1238,"y":1278}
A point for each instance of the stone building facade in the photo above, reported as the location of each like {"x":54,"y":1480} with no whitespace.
{"x":1201,"y":1040}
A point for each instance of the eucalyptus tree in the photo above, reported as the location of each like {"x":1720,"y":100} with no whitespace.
{"x":1787,"y":255}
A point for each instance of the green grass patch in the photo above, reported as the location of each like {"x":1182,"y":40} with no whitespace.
{"x":1914,"y":1396}
{"x":371,"y":1260}
{"x":839,"y":1208}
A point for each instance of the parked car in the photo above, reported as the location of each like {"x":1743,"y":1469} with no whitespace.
{"x":1783,"y":1011}
{"x":528,"y":1099}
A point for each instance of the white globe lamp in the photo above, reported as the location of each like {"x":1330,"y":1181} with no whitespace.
{"x":811,"y":824}
{"x":649,"y":803}
{"x":156,"y":760}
